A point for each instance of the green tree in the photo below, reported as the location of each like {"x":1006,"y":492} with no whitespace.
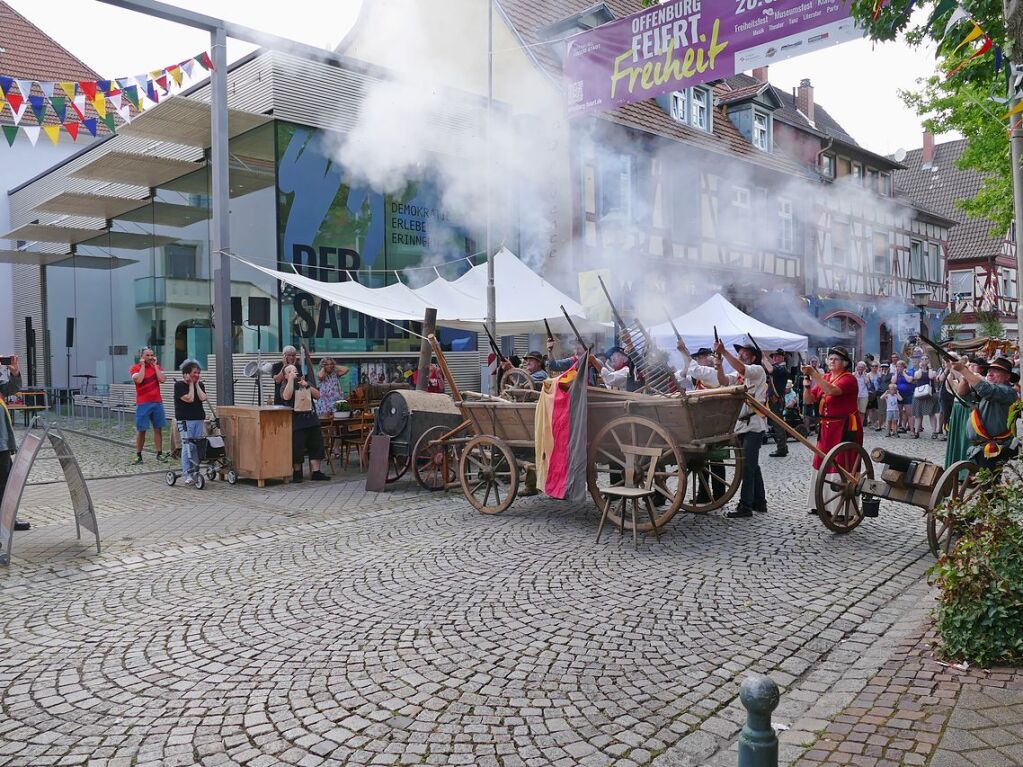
{"x":962,"y":102}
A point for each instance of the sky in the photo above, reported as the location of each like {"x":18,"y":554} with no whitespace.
{"x":857,"y":82}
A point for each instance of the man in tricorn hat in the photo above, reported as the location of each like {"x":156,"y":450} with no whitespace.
{"x":988,"y":428}
{"x":779,"y":377}
{"x":749,"y":370}
{"x":697,"y":366}
{"x":836,"y":392}
{"x":617,"y":371}
{"x":532,"y":363}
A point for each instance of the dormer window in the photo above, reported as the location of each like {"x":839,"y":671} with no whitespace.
{"x":679,"y":110}
{"x":700,"y":108}
{"x":761,"y":130}
{"x":828,"y":165}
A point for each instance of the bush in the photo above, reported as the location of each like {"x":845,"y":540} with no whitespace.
{"x":980,"y":615}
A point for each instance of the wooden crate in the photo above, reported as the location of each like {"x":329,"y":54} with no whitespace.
{"x":258,"y":441}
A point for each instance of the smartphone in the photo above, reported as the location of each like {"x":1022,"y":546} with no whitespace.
{"x":6,"y":361}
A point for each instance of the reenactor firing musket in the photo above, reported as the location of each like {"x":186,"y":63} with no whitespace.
{"x":547,"y":326}
{"x":593,"y":362}
{"x":678,"y":336}
{"x":639,"y":360}
{"x":942,"y":354}
{"x":494,"y":347}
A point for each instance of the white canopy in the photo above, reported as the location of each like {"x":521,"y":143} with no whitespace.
{"x":524,"y":299}
{"x":734,"y":327}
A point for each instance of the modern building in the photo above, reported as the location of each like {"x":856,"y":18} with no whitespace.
{"x":983,"y":286}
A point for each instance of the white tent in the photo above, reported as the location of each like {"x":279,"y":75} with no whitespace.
{"x":524,"y":299}
{"x":697,"y":329}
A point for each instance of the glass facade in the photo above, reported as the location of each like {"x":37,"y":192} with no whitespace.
{"x":291,"y":204}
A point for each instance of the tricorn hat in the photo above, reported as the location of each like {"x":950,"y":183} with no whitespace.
{"x":1004,"y":364}
{"x":842,"y":352}
{"x":777,"y":352}
{"x":703,"y":351}
{"x":614,"y":350}
{"x":758,"y":355}
{"x":533,"y":355}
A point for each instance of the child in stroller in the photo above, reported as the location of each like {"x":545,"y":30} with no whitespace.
{"x":202,"y":445}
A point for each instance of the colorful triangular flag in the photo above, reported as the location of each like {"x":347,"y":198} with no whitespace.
{"x":115,"y":99}
{"x":78,"y":103}
{"x":188,"y":66}
{"x":47,"y":89}
{"x":979,"y":52}
{"x":10,"y":133}
{"x":25,"y":86}
{"x":90,"y":125}
{"x":17,"y":105}
{"x":103,"y":85}
{"x":124,"y":82}
{"x":162,"y":81}
{"x":125,"y":113}
{"x":88,"y":88}
{"x":38,"y":104}
{"x":974,"y":34}
{"x":151,"y":92}
{"x":109,"y":120}
{"x":205,"y":61}
{"x":100,"y":105}
{"x":959,"y":14}
{"x":59,"y":104}
{"x":175,"y":72}
{"x":5,"y":85}
{"x":72,"y":129}
{"x":53,"y":132}
{"x":70,"y":89}
{"x":132,"y":94}
{"x":32,"y":132}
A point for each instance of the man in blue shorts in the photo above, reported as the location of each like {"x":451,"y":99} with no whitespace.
{"x":147,"y":376}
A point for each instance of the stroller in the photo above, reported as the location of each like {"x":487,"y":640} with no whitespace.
{"x":211,"y":456}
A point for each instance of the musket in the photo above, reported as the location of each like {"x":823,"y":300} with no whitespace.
{"x":940,"y":352}
{"x":547,"y":325}
{"x":493,"y":345}
{"x":756,"y":345}
{"x":579,"y":339}
{"x":678,"y":336}
{"x":716,"y":339}
{"x":614,"y":311}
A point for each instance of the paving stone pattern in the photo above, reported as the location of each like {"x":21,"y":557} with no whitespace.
{"x":918,"y":710}
{"x":320,"y":624}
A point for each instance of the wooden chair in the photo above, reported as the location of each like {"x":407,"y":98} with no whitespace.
{"x":352,"y":435}
{"x":327,"y":433}
{"x":630,"y":491}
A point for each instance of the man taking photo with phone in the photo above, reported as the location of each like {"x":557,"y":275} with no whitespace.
{"x":147,"y":376}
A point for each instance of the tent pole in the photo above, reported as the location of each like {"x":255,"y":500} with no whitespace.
{"x":491,"y":291}
{"x":429,"y":329}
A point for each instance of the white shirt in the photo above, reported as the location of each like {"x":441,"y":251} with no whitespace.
{"x":755,"y":379}
{"x":707,"y":376}
{"x":614,"y":379}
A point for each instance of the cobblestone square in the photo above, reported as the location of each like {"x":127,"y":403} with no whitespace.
{"x":322,"y":624}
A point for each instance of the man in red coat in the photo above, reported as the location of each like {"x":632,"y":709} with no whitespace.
{"x":840,"y":421}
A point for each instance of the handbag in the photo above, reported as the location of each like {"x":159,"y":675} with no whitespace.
{"x":922,"y":391}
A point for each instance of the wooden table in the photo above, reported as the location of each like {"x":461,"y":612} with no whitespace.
{"x":258,"y":441}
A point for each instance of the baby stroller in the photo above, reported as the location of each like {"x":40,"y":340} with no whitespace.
{"x":211,"y":455}
{"x":794,"y":419}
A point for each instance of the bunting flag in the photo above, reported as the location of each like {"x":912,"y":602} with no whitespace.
{"x":560,"y":435}
{"x":974,"y":34}
{"x":127,"y":96}
{"x":984,"y":48}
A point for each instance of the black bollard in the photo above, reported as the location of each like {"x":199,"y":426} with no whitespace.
{"x":758,"y":745}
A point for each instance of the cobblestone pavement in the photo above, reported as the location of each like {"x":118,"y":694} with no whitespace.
{"x":320,"y":624}
{"x":917,"y":710}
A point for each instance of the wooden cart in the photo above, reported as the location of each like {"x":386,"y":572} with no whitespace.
{"x":845,"y":490}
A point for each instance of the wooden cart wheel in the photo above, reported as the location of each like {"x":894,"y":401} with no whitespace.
{"x":837,"y":498}
{"x":489,"y":474}
{"x":516,"y":378}
{"x":397,"y":465}
{"x":721,"y":464}
{"x":941,"y":538}
{"x":434,"y":466}
{"x":606,"y":463}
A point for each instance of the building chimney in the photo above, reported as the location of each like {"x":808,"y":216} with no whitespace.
{"x":927,"y":155}
{"x":804,"y":98}
{"x":760,"y":73}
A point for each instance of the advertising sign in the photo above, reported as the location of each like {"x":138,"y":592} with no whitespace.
{"x":681,"y":43}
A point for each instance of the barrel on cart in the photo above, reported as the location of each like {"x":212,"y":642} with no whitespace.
{"x":406,"y":416}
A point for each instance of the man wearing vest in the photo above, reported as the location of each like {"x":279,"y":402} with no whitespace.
{"x":8,"y":440}
{"x":988,"y":426}
{"x":698,"y":367}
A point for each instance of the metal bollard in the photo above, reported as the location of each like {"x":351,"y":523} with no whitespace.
{"x":758,"y":744}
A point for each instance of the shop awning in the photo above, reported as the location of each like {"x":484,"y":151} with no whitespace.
{"x":35,"y":258}
{"x":138,"y":169}
{"x":128,"y":240}
{"x":185,"y":121}
{"x":167,"y":214}
{"x":524,"y":299}
{"x":48,"y":233}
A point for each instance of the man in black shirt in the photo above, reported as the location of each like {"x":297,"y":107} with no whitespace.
{"x":776,"y":395}
{"x":189,"y":396}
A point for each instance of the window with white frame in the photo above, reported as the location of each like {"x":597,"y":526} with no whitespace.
{"x":679,"y":106}
{"x":934,"y":266}
{"x":1008,"y":283}
{"x":740,"y":197}
{"x":839,"y":243}
{"x":699,"y":108}
{"x":828,"y":165}
{"x":879,"y":246}
{"x":786,"y":226}
{"x":916,"y":260}
{"x":960,"y":285}
{"x":857,"y":172}
{"x":885,"y":185}
{"x":761,"y":130}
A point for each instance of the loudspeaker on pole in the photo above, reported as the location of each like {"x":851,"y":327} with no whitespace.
{"x":69,"y":333}
{"x":259,"y":311}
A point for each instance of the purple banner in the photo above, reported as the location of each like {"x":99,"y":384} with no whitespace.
{"x":682,"y":43}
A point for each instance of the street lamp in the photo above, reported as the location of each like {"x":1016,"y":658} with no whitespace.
{"x":921,"y":298}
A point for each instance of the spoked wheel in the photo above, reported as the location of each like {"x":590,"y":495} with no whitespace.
{"x":397,"y":465}
{"x":516,"y":378}
{"x":434,"y":466}
{"x":837,"y":497}
{"x":717,"y":470}
{"x":489,"y":474}
{"x":958,"y":484}
{"x":606,"y":462}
